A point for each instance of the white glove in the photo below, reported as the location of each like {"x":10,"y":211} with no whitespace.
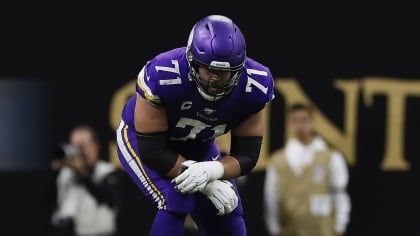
{"x":195,"y":175}
{"x":222,"y":195}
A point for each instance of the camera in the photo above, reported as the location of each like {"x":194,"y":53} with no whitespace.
{"x":66,"y":150}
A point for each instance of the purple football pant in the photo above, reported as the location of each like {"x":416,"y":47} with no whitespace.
{"x":174,"y":206}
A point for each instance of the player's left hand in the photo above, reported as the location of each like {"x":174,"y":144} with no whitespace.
{"x":223,"y":196}
{"x":194,"y":175}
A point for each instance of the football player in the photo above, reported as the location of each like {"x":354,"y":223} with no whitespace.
{"x":185,"y":98}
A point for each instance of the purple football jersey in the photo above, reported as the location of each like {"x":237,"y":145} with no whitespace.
{"x":193,"y":121}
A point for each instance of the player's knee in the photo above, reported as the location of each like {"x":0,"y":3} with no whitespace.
{"x":179,"y":203}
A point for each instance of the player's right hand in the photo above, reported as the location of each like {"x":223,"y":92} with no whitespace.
{"x":222,"y":195}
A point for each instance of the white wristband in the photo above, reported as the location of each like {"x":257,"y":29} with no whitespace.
{"x":216,"y":170}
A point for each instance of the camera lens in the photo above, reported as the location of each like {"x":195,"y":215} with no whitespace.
{"x":65,"y":150}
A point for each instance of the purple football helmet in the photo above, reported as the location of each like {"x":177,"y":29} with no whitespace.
{"x":216,"y":42}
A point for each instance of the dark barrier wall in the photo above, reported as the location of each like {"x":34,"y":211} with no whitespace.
{"x":362,"y":74}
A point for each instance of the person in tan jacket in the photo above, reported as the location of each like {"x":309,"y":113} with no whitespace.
{"x":305,"y":184}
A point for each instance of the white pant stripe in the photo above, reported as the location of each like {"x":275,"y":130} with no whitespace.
{"x":134,"y":166}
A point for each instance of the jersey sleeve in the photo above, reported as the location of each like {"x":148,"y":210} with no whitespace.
{"x":161,"y":79}
{"x":147,"y":87}
{"x":259,"y":87}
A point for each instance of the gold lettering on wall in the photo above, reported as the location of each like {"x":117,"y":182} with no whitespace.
{"x":396,"y":91}
{"x":350,"y":90}
{"x":345,"y":140}
{"x":262,"y":161}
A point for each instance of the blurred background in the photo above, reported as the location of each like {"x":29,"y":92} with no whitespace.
{"x":360,"y":68}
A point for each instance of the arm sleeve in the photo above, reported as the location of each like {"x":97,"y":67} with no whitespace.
{"x":271,"y":214}
{"x":341,"y":199}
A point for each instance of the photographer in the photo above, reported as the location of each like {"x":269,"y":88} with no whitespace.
{"x":87,"y":187}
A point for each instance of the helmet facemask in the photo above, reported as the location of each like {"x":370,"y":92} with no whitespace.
{"x":218,"y":89}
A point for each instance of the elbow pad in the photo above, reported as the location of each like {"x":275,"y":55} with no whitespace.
{"x":155,"y":152}
{"x":246,"y":150}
